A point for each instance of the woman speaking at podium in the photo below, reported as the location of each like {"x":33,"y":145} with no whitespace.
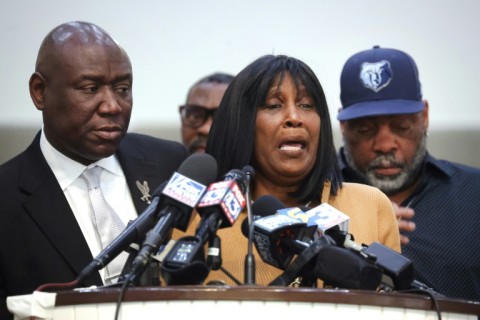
{"x":274,"y":117}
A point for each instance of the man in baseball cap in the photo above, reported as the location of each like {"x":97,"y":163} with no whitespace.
{"x":380,"y":82}
{"x":384,"y":124}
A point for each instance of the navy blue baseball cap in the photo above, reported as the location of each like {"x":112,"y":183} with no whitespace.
{"x":379,"y":82}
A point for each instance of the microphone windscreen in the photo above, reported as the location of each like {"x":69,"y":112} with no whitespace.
{"x":200,"y":167}
{"x":396,"y":266}
{"x":343,"y":268}
{"x":238,"y":176}
{"x":159,"y":190}
{"x":192,"y":274}
{"x":266,"y":205}
{"x":245,"y":227}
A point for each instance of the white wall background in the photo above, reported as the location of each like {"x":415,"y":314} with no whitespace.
{"x":173,"y":43}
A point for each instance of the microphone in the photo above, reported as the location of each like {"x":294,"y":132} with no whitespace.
{"x":278,"y":239}
{"x":250,"y":172}
{"x":398,"y":271}
{"x":179,"y":197}
{"x":224,"y":200}
{"x":349,"y":269}
{"x":266,"y":205}
{"x":335,"y":265}
{"x":318,"y":259}
{"x":221,"y":204}
{"x":219,"y":207}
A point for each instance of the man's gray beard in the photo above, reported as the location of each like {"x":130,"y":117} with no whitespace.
{"x":391,"y":184}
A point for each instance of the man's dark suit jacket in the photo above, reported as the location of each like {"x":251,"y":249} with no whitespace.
{"x":40,"y":240}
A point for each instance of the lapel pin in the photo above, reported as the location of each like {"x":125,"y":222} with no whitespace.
{"x":144,"y":189}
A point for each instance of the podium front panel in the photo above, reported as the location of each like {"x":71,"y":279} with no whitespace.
{"x":251,"y":302}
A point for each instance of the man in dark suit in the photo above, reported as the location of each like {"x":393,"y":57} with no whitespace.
{"x":82,"y":85}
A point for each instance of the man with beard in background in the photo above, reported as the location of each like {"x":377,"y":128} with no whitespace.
{"x":384,"y":124}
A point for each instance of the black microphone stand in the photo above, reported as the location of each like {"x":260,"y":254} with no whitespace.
{"x":249,"y":258}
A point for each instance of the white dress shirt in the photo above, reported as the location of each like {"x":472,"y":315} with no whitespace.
{"x":113,"y":185}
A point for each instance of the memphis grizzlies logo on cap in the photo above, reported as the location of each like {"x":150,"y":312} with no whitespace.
{"x":377,"y":75}
{"x":379,"y":82}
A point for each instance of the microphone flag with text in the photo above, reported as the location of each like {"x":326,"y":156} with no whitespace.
{"x":219,"y":207}
{"x":277,"y":237}
{"x":177,"y":200}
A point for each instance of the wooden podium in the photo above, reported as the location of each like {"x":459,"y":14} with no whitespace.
{"x":245,"y":302}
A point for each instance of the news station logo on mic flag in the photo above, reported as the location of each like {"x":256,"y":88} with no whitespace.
{"x":275,"y":222}
{"x":323,"y":216}
{"x":228,"y":195}
{"x":184,"y":190}
{"x":269,"y":234}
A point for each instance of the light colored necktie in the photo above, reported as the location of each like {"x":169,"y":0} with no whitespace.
{"x":108,"y":224}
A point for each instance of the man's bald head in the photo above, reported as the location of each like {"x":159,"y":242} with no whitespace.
{"x":75,"y":33}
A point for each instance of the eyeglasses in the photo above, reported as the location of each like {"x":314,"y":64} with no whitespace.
{"x":194,"y":116}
